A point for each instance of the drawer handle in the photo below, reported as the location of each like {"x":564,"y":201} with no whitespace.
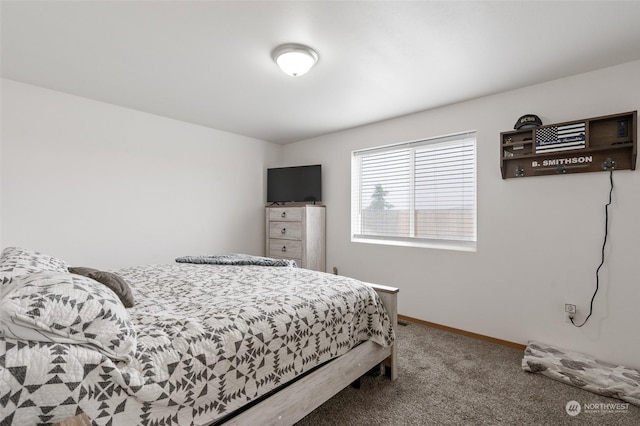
{"x":284,"y":248}
{"x":284,"y":231}
{"x":283,"y":214}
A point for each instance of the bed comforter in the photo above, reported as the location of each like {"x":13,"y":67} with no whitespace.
{"x":208,"y":340}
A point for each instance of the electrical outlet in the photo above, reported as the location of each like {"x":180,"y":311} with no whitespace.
{"x":570,"y":311}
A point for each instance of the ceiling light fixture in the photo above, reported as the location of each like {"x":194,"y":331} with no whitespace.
{"x":294,"y":59}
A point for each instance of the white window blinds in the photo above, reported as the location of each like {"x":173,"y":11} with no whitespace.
{"x":420,"y":193}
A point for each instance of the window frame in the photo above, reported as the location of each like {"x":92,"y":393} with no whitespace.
{"x":435,"y":243}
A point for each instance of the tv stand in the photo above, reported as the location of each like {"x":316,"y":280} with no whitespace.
{"x":297,"y":232}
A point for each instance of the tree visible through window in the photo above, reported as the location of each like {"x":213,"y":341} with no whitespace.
{"x":378,"y":202}
{"x":420,"y":193}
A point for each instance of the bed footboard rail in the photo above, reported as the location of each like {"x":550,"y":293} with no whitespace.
{"x":389,"y":297}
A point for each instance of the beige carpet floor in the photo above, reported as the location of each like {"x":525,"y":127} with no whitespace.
{"x":450,"y":379}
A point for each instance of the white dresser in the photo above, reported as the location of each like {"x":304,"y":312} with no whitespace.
{"x":298,"y":233}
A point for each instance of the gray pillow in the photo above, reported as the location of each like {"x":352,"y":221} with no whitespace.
{"x":115,"y":282}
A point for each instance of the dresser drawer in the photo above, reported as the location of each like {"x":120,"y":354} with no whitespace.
{"x":288,"y":249}
{"x":285,"y":230}
{"x":285,"y":214}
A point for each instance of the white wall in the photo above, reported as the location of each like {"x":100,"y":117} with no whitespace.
{"x":539,"y":238}
{"x":104,"y":186}
{"x":1,"y":86}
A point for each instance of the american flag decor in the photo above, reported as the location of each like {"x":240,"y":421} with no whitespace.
{"x":560,"y":138}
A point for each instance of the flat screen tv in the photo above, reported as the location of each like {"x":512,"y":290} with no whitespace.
{"x":294,"y":184}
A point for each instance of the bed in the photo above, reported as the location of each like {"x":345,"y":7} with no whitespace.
{"x":200,"y":344}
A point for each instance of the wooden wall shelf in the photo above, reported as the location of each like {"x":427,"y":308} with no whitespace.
{"x":589,"y":145}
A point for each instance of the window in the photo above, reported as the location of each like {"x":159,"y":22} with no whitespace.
{"x":420,"y":193}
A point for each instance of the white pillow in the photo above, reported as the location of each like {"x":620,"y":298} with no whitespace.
{"x":67,"y":308}
{"x":16,"y":261}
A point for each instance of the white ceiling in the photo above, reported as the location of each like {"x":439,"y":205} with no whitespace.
{"x":209,"y":63}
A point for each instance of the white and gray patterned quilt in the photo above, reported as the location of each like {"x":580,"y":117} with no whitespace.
{"x":208,"y":339}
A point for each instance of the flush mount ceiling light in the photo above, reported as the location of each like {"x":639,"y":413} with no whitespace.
{"x":294,"y":59}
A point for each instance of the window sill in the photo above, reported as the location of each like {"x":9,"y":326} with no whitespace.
{"x":469,"y":246}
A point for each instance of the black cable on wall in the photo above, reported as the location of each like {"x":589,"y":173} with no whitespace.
{"x":604,"y":244}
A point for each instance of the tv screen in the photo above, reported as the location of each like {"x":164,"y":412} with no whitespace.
{"x":294,"y":184}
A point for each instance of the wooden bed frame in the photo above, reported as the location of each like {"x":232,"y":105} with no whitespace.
{"x":300,"y":398}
